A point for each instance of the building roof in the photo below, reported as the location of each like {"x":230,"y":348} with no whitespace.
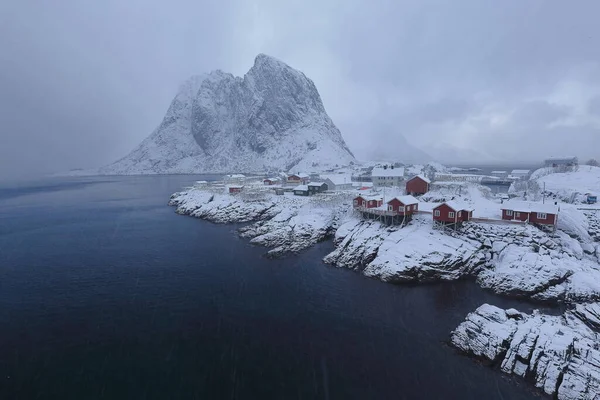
{"x":338,"y":179}
{"x":456,"y":206}
{"x":300,"y":175}
{"x":317,"y":184}
{"x":385,"y":172}
{"x":420,"y":177}
{"x":527,"y":206}
{"x":499,"y":172}
{"x":406,"y":200}
{"x":303,"y":188}
{"x":568,"y":158}
{"x":369,"y":197}
{"x":519,"y":171}
{"x":271,"y":179}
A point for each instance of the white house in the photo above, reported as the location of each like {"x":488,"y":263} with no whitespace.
{"x":337,"y":182}
{"x":390,"y":176}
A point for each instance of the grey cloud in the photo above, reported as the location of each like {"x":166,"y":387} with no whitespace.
{"x":83,"y":82}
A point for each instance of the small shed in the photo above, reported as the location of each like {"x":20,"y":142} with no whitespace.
{"x":452,"y":213}
{"x":417,"y":185}
{"x":235,"y":188}
{"x":301,"y":190}
{"x":317,"y":187}
{"x":279,"y":191}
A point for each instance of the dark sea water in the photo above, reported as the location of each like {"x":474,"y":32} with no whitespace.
{"x":106,"y":293}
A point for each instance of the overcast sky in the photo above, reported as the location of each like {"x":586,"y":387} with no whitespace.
{"x":82,"y":82}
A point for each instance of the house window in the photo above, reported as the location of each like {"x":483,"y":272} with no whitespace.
{"x":451,"y":214}
{"x":436,"y":213}
{"x":363,"y":203}
{"x":541,"y":216}
{"x":390,"y":208}
{"x":460,"y":213}
{"x":509,"y":213}
{"x":517,"y":215}
{"x":355,"y":202}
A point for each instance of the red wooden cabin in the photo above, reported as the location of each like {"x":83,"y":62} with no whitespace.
{"x":417,"y":185}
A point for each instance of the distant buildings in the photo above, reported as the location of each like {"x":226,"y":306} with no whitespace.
{"x":300,"y":178}
{"x":519,"y":173}
{"x":500,"y":174}
{"x":387,"y":176}
{"x":235,"y":188}
{"x":417,"y":185}
{"x":271,"y":181}
{"x":561,"y":162}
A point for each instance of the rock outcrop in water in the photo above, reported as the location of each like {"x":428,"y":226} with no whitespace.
{"x":560,"y":354}
{"x":272,"y":119}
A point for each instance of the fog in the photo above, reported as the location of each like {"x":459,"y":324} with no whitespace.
{"x":83,"y":82}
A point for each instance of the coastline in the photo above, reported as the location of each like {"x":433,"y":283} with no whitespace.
{"x":517,"y":261}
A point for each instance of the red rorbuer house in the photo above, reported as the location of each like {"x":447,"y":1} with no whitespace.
{"x":452,"y":212}
{"x":367,"y":201}
{"x":403,"y":205}
{"x":235,"y":188}
{"x":536,"y":213}
{"x":417,"y":185}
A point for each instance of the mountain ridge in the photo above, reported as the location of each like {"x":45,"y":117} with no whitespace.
{"x":272,"y":118}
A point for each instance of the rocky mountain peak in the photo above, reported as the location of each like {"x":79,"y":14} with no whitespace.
{"x":271,"y":119}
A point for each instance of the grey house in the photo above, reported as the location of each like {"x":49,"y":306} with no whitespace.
{"x":317,"y":187}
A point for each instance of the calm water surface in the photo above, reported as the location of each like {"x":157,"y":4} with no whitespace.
{"x":105,"y":293}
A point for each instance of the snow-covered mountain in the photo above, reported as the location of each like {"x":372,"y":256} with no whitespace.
{"x":271,"y":119}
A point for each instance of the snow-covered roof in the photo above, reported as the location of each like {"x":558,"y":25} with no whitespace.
{"x":317,"y":184}
{"x":338,"y":179}
{"x":303,"y":188}
{"x":406,"y":200}
{"x":271,"y":179}
{"x":499,"y":172}
{"x":528,"y":206}
{"x":457,"y":206}
{"x":370,"y":197}
{"x":519,"y":172}
{"x":303,"y":175}
{"x":385,"y":172}
{"x":422,"y":177}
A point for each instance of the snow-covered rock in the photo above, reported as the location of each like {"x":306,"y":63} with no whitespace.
{"x":412,"y":253}
{"x":561,"y":354}
{"x":271,"y":119}
{"x":283,"y":223}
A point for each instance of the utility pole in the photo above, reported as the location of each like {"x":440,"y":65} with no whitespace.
{"x":544,"y":194}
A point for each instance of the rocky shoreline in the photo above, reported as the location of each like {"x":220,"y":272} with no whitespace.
{"x":514,"y":260}
{"x":558,"y":354}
